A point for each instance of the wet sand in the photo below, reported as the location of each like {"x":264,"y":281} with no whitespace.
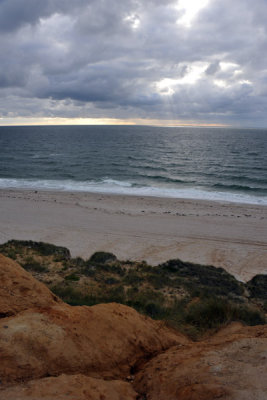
{"x":230,"y":235}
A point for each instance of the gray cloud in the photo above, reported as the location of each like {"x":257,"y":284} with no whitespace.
{"x":213,"y":68}
{"x":16,"y":13}
{"x":131,"y":59}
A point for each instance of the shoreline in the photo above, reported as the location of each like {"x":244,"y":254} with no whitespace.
{"x":225,"y":234}
{"x":120,"y":188}
{"x":68,"y":192}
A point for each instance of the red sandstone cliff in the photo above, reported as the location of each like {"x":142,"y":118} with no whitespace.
{"x":49,"y":350}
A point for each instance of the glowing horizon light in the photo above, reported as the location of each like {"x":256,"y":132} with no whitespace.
{"x":20,"y":121}
{"x":42,"y":121}
{"x":191,"y":9}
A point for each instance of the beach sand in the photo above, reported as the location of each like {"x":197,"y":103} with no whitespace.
{"x":230,"y":235}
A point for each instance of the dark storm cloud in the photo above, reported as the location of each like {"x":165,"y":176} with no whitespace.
{"x":131,"y":59}
{"x":16,"y":13}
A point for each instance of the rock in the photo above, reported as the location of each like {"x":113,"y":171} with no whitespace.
{"x":70,"y":387}
{"x":232,"y":366}
{"x":50,"y":350}
{"x":106,"y":340}
{"x":20,"y":291}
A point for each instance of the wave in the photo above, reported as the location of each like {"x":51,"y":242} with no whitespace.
{"x":148,"y":167}
{"x":239,"y":188}
{"x":113,"y":186}
{"x":165,"y":179}
{"x":247,"y":179}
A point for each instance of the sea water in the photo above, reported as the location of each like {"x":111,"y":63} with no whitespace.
{"x":198,"y":163}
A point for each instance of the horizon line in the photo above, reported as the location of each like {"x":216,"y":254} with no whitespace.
{"x":31,"y":121}
{"x":138,"y":125}
{"x":27,"y":122}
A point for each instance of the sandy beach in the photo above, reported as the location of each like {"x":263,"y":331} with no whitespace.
{"x":230,"y":235}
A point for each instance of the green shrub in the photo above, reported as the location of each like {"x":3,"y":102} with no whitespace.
{"x":132,"y":278}
{"x":257,"y":287}
{"x":153,"y":310}
{"x":209,"y":313}
{"x":213,"y":313}
{"x":158,"y":280}
{"x":111,"y":281}
{"x":78,"y":262}
{"x":116,"y":294}
{"x":112,"y":268}
{"x":216,"y":280}
{"x":147,"y":301}
{"x":248,"y":315}
{"x":35,"y":266}
{"x":12,"y":254}
{"x":72,"y":277}
{"x":44,"y":249}
{"x":102,"y":257}
{"x":74,"y":297}
{"x":89,"y":270}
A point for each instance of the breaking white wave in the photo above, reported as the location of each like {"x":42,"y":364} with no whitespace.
{"x":113,"y":186}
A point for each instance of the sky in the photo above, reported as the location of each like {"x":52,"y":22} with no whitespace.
{"x":156,"y":62}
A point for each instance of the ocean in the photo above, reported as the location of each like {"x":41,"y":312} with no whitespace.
{"x":198,"y":163}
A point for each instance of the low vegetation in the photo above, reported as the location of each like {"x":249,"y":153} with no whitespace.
{"x":195,"y":299}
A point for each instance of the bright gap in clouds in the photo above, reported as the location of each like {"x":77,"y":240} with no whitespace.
{"x":166,"y":86}
{"x":190,"y":9}
{"x":133,"y":20}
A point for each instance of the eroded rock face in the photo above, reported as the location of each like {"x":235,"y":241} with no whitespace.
{"x":232,"y":365}
{"x":20,"y":291}
{"x":52,"y":338}
{"x":70,"y":387}
{"x":104,"y":340}
{"x":50,"y":350}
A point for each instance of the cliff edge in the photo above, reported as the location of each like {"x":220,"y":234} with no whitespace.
{"x":51,"y":350}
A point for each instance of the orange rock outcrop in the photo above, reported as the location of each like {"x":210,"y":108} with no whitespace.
{"x":19,"y":291}
{"x":231,"y":366}
{"x":50,"y":350}
{"x":70,"y":387}
{"x":41,"y":336}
